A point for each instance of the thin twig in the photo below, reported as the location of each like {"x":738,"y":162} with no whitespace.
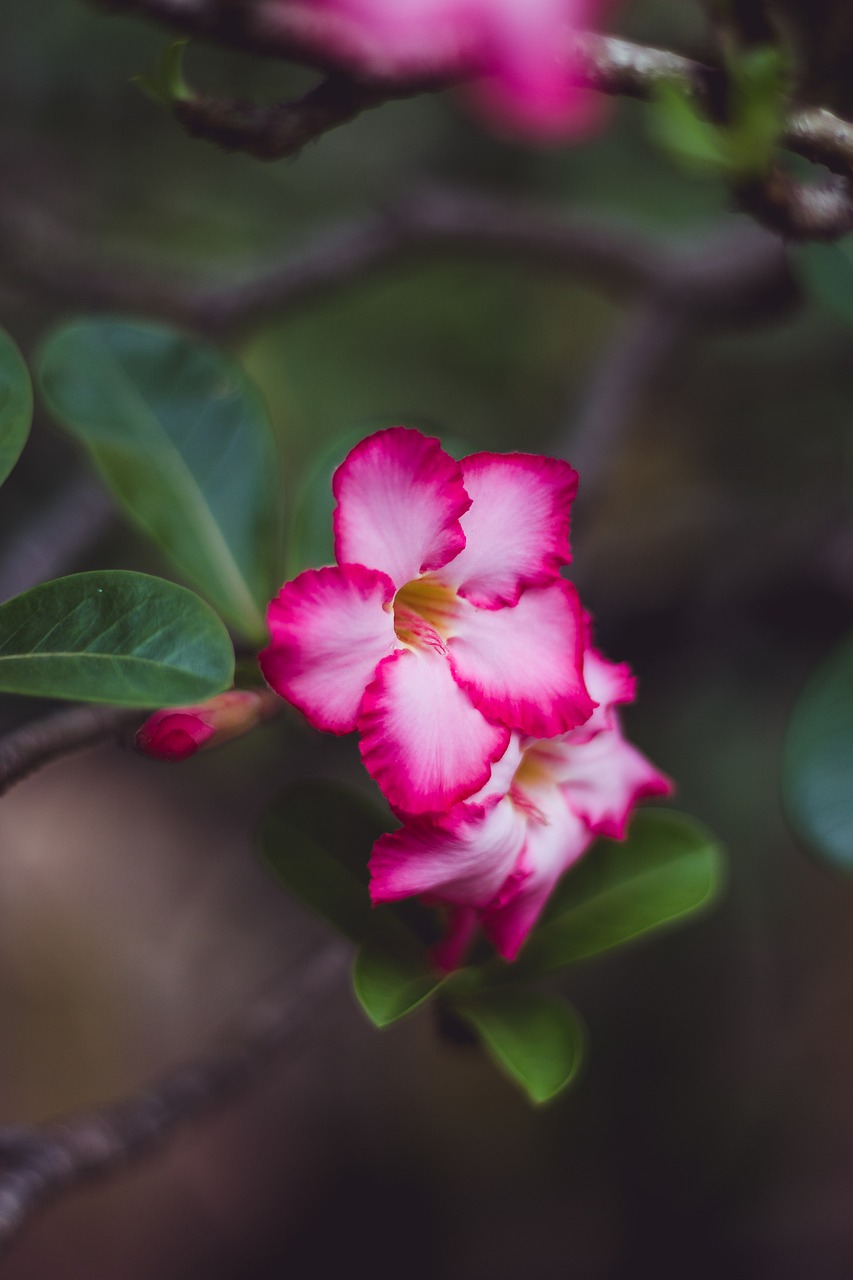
{"x":25,"y":750}
{"x":37,"y":1164}
{"x":284,"y":128}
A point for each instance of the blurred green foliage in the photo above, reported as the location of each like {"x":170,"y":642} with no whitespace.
{"x":819,"y":760}
{"x":316,"y":837}
{"x":743,"y":145}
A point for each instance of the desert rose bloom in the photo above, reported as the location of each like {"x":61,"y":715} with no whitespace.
{"x":495,"y":859}
{"x":177,"y":733}
{"x":445,"y":624}
{"x":517,"y":52}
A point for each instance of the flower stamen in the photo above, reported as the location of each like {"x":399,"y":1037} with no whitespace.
{"x":424,"y":612}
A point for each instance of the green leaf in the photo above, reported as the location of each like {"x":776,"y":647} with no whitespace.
{"x":679,"y":129}
{"x":167,"y":86}
{"x":182,"y":438}
{"x":742,"y":147}
{"x":310,"y":541}
{"x":171,"y":71}
{"x":759,"y":80}
{"x":316,"y":838}
{"x":818,"y":768}
{"x":826,"y":270}
{"x":668,"y":867}
{"x":536,"y":1038}
{"x":113,"y":636}
{"x":392,"y":974}
{"x":16,"y":404}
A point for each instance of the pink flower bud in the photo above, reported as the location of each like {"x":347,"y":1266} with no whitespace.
{"x":179,"y":732}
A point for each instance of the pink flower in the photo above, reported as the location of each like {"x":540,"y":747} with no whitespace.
{"x":495,"y":859}
{"x":515,"y":52}
{"x":444,"y":625}
{"x":179,"y":732}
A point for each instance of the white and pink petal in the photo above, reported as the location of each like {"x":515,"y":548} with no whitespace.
{"x":329,"y":630}
{"x":423,"y":740}
{"x":554,"y":843}
{"x":522,"y":665}
{"x":400,"y":499}
{"x":466,"y":866}
{"x":517,"y":528}
{"x":610,"y":684}
{"x":491,"y":793}
{"x":605,"y":778}
{"x":533,"y":87}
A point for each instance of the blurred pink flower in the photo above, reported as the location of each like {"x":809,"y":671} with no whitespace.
{"x":516,"y":54}
{"x":495,"y":859}
{"x":176,"y":733}
{"x":445,"y":624}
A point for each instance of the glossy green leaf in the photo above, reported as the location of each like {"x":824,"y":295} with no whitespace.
{"x":316,"y":838}
{"x":392,"y":973}
{"x":826,"y":270}
{"x":183,"y":439}
{"x":668,"y":867}
{"x":818,"y":772}
{"x":16,"y":404}
{"x":114,"y":636}
{"x":536,"y":1038}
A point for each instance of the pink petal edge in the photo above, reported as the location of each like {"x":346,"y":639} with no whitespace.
{"x":400,"y":499}
{"x":423,"y":740}
{"x":517,"y":529}
{"x":522,"y":666}
{"x":330,"y":628}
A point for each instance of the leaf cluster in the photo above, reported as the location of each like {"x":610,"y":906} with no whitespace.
{"x":183,"y":441}
{"x":316,"y":838}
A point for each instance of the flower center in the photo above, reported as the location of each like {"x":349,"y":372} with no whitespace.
{"x":424,"y":611}
{"x":533,"y":775}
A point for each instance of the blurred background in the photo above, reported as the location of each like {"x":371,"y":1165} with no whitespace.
{"x":712,"y":1130}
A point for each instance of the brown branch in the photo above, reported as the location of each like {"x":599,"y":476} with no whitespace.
{"x":611,"y":257}
{"x":37,"y":1164}
{"x":820,"y":136}
{"x":798,"y":210}
{"x":605,"y":63}
{"x":27,"y":749}
{"x":283,"y":129}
